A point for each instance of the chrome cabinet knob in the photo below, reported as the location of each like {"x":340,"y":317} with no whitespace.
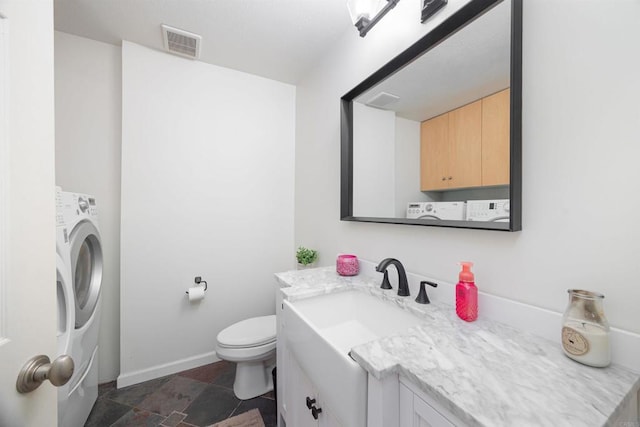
{"x":40,"y":368}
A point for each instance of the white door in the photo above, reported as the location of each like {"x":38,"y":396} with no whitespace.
{"x":27,"y":208}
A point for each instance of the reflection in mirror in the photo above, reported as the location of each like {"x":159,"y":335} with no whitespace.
{"x":433,"y":143}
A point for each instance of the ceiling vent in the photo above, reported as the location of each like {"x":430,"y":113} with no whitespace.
{"x":382,"y":100}
{"x":181,"y":42}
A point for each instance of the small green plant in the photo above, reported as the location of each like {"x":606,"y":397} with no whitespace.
{"x":306,"y":256}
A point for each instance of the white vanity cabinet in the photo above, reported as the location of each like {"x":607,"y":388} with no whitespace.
{"x":417,"y":409}
{"x":303,"y":400}
{"x":396,"y":402}
{"x":281,"y":350}
{"x":384,"y":381}
{"x":293,"y":386}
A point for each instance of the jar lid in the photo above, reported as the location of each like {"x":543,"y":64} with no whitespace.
{"x":585,"y":294}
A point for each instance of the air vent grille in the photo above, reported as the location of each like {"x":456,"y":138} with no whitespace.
{"x":382,"y":100}
{"x":181,"y":42}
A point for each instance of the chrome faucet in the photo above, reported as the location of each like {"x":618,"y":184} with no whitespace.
{"x":403,"y":285}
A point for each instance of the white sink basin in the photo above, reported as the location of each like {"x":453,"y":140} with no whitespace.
{"x":320,"y":332}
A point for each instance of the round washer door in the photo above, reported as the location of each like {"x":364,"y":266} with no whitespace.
{"x":65,"y":305}
{"x":86,"y":270}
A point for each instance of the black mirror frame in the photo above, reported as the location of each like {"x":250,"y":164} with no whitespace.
{"x":455,"y":22}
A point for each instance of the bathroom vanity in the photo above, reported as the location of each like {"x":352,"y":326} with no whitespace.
{"x":392,"y":362}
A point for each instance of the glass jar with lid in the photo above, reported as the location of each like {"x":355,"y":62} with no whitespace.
{"x":585,"y":330}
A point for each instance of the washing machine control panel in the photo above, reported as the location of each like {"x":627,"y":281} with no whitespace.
{"x":83,"y":204}
{"x":436,"y":210}
{"x":488,"y":210}
{"x":87,"y":205}
{"x":74,"y":205}
{"x":59,"y":208}
{"x":418,"y":209}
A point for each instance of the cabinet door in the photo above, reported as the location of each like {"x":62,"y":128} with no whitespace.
{"x":415,"y":412}
{"x":495,"y":138}
{"x":299,"y":388}
{"x":426,"y":416}
{"x":434,"y":153}
{"x":465,"y":146}
{"x":328,"y":420}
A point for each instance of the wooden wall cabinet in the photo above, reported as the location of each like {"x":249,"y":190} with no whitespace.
{"x":495,"y":138}
{"x":467,"y":147}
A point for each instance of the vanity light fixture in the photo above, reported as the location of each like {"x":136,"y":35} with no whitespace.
{"x":361,"y":12}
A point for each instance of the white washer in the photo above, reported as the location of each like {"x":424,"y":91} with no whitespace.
{"x":436,"y":210}
{"x":80,"y":216}
{"x":488,"y":210}
{"x":64,"y":288}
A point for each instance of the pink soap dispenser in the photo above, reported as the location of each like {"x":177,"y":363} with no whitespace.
{"x":466,"y":294}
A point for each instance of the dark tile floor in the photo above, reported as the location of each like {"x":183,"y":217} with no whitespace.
{"x":198,"y":397}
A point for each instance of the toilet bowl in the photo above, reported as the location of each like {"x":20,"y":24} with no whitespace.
{"x":251,"y":344}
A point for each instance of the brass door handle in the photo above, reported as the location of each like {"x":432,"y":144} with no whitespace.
{"x":40,"y":368}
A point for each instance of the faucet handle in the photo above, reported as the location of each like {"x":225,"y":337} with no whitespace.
{"x":423,"y":298}
{"x":385,"y":281}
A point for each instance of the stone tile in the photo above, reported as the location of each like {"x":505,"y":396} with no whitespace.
{"x":175,"y":395}
{"x":174,"y":419}
{"x":106,"y":412}
{"x":139,"y":418}
{"x":209,"y":373}
{"x":213,"y":405}
{"x":250,"y":418}
{"x":136,"y":393}
{"x":267,"y":408}
{"x":269,"y":395}
{"x":106,"y":388}
{"x":226,"y":376}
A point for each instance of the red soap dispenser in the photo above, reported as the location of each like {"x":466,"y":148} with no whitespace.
{"x":466,"y":294}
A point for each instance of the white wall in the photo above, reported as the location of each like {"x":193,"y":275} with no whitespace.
{"x":88,"y":76}
{"x":581,"y":127}
{"x":207,"y":190}
{"x":407,"y":166}
{"x":373,"y":161}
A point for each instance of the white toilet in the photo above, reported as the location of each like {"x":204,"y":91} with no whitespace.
{"x":251,"y":343}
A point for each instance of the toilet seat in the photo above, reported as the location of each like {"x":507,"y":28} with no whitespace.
{"x":249,"y":333}
{"x":244,"y":354}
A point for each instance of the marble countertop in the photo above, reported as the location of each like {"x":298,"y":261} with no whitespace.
{"x":485,"y":372}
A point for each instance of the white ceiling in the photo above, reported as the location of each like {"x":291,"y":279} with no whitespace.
{"x":469,"y":65}
{"x":277,"y":39}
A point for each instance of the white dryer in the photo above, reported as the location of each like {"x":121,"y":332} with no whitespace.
{"x":64,"y":288}
{"x":76,"y":398}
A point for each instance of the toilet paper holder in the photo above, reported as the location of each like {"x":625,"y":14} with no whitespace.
{"x":198,"y":281}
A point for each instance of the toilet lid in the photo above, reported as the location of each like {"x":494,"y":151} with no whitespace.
{"x":249,"y":333}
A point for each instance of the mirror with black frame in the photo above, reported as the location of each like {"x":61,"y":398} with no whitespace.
{"x":434,"y":137}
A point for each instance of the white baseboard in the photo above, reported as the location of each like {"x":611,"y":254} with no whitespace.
{"x":135,"y":377}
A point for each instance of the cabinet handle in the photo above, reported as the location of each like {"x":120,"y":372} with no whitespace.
{"x":315,"y":411}
{"x":450,"y":178}
{"x":310,"y":402}
{"x":311,"y":405}
{"x":444,"y":178}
